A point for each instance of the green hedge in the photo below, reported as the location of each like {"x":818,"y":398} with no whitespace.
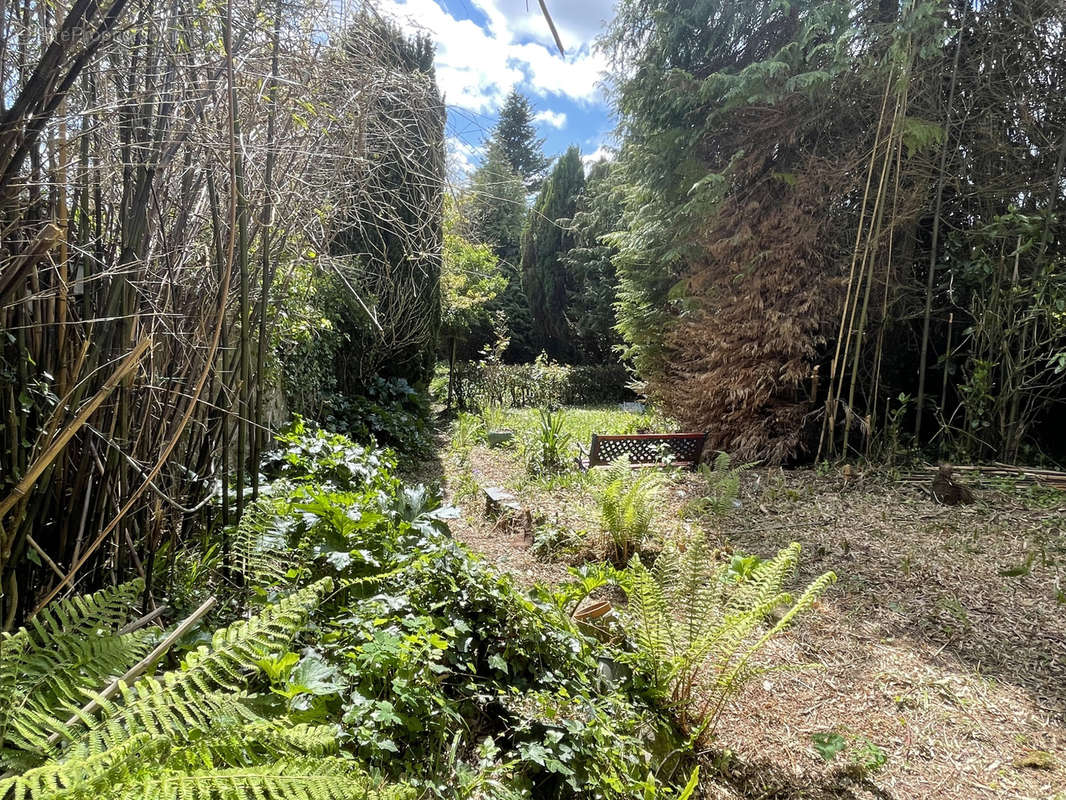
{"x":540,"y":383}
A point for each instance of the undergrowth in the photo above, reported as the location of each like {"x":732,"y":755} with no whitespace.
{"x":628,"y":501}
{"x":380,"y":659}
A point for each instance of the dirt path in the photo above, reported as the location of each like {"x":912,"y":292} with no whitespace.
{"x":942,"y":647}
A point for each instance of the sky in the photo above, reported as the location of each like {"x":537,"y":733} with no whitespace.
{"x":487,"y":47}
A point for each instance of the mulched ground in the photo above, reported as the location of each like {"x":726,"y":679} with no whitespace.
{"x":943,"y":643}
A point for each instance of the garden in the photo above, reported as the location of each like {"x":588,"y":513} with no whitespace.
{"x":932,"y":666}
{"x":362,"y":436}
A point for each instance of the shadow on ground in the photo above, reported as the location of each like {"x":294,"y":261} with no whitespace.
{"x":973,"y":587}
{"x":766,"y":780}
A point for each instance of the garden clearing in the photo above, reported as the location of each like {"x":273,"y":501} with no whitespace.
{"x":941,"y":651}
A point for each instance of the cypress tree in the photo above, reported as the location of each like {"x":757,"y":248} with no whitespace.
{"x":497,"y":213}
{"x":590,"y":309}
{"x":546,"y":239}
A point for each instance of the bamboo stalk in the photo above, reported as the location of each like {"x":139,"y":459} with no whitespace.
{"x":923,"y":356}
{"x":56,"y":447}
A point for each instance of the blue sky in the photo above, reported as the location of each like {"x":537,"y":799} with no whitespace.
{"x":487,"y":47}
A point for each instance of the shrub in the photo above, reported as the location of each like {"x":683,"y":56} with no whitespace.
{"x":309,"y":454}
{"x":595,"y":384}
{"x":387,"y":412}
{"x":547,"y":450}
{"x":434,"y":669}
{"x":540,"y":383}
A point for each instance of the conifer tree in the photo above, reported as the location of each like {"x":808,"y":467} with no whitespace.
{"x":590,"y":307}
{"x":497,"y":206}
{"x":517,"y":140}
{"x":545,"y":240}
{"x":497,"y":211}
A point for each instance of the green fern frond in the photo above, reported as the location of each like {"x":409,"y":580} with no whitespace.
{"x":68,"y":650}
{"x":133,"y":771}
{"x":65,"y":621}
{"x":698,"y":629}
{"x":204,"y":689}
{"x":261,"y":551}
{"x":58,"y":636}
{"x":252,"y":744}
{"x":628,"y":503}
{"x":166,"y":708}
{"x":87,"y":778}
{"x":292,"y":779}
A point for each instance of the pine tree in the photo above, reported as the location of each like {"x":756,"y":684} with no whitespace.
{"x":497,"y":206}
{"x":546,"y":238}
{"x":516,"y":138}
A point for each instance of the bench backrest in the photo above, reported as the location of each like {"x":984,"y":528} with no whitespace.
{"x":647,"y":448}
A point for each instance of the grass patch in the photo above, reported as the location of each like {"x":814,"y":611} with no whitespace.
{"x":580,"y":422}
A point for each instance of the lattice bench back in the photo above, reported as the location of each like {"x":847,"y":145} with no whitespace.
{"x":647,"y":448}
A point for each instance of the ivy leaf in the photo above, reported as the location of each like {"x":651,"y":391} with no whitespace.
{"x":340,"y":559}
{"x":497,"y":662}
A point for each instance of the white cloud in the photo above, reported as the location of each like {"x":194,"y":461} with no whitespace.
{"x":461,"y":158}
{"x":599,"y":153}
{"x":578,"y":22}
{"x":477,"y":67}
{"x":557,"y":119}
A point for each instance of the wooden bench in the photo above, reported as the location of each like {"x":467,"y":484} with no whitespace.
{"x":645,"y":449}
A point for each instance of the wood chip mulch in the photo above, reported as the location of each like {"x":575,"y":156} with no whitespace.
{"x":943,"y":643}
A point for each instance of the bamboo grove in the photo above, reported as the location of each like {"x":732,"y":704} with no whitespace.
{"x":169,"y":174}
{"x":843,"y":224}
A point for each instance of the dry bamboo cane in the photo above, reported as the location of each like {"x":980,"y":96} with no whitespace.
{"x":219,"y":323}
{"x":927,"y":314}
{"x":870,"y":251}
{"x":829,"y":420}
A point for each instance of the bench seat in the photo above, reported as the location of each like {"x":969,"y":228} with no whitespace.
{"x":645,"y":449}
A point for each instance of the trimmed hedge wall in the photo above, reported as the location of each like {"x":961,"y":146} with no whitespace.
{"x":539,"y":383}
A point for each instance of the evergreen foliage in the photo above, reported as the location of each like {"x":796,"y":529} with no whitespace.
{"x":590,"y":307}
{"x":193,"y":732}
{"x":629,"y":501}
{"x":63,"y":654}
{"x":789,"y":173}
{"x":496,"y":211}
{"x":545,"y":239}
{"x":699,"y":625}
{"x":517,"y":141}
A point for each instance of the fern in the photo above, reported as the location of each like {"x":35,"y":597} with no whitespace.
{"x":86,"y":778}
{"x":288,"y":779}
{"x":139,"y":769}
{"x":206,"y":686}
{"x":261,"y":551}
{"x":723,"y":486}
{"x":66,"y":651}
{"x":628,"y":502}
{"x":698,"y":631}
{"x":188,"y":733}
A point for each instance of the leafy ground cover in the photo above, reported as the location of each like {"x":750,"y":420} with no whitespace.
{"x":942,"y":648}
{"x":367,"y":654}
